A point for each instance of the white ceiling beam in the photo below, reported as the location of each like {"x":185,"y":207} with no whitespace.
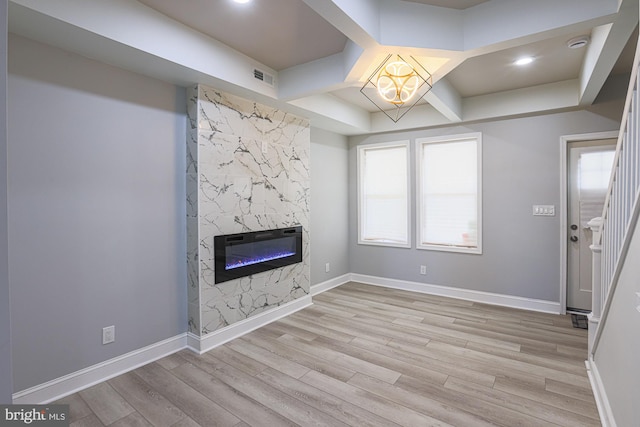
{"x":370,"y":23}
{"x":497,"y":22}
{"x":325,"y":74}
{"x":444,"y":98}
{"x":352,"y":56}
{"x":319,"y":76}
{"x":87,"y":28}
{"x":333,"y":114}
{"x":513,"y":103}
{"x":312,"y":77}
{"x":607,"y":42}
{"x":416,"y":25}
{"x":420,"y":116}
{"x":492,"y":25}
{"x":356,"y":19}
{"x":531,"y":100}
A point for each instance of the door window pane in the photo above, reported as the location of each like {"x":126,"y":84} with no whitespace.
{"x":594,"y":173}
{"x":595,"y":170}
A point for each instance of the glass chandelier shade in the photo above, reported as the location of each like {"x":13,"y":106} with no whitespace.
{"x":399,"y":85}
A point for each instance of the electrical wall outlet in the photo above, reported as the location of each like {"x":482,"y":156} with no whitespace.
{"x":108,"y":334}
{"x":423,"y":269}
{"x":327,"y":268}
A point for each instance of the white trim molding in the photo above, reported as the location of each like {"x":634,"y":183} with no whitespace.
{"x":594,"y":322}
{"x":330,"y":284}
{"x":80,"y":380}
{"x":84,"y":378}
{"x":379,"y":238}
{"x":421,"y":215}
{"x":562,"y":212}
{"x":210,"y":341}
{"x":465,"y":294}
{"x":600,"y":394}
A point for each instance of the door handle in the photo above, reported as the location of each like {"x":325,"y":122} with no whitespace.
{"x":573,"y":238}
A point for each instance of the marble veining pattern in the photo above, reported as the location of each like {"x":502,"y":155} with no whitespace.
{"x":193,"y":256}
{"x":247,"y":170}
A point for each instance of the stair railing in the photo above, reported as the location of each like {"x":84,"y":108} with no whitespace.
{"x":613,"y":231}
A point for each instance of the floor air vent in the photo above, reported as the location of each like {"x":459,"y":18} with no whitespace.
{"x":263,"y":77}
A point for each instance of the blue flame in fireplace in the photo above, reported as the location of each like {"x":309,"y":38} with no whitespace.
{"x":237,"y":262}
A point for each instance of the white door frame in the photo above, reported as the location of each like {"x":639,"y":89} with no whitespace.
{"x":564,"y":143}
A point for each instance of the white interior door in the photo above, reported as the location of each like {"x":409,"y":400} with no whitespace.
{"x":589,"y":171}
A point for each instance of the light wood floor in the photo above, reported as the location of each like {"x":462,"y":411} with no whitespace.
{"x":364,"y":355}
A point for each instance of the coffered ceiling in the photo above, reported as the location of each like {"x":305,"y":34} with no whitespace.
{"x":278,"y":33}
{"x":452,"y":4}
{"x":320,"y":52}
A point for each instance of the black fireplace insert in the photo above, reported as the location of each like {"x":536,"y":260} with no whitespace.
{"x":243,"y":254}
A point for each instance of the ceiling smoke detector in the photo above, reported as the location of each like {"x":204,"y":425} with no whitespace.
{"x":578,"y":42}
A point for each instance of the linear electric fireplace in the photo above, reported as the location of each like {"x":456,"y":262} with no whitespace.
{"x":239,"y":255}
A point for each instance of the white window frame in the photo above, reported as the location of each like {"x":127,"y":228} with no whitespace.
{"x":420,"y":142}
{"x":361,"y":149}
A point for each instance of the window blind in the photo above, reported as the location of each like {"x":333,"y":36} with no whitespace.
{"x":449,"y":208}
{"x":384,"y":194}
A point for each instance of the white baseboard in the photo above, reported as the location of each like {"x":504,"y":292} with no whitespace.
{"x":69,"y":384}
{"x":465,"y":294}
{"x":330,"y":284}
{"x":193,"y":342}
{"x":203,"y":344}
{"x":84,"y":378}
{"x":592,"y":330}
{"x":600,"y":394}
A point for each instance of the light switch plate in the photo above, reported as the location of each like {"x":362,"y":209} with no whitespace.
{"x":544,"y":210}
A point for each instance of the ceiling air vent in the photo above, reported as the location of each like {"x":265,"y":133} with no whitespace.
{"x":263,"y":77}
{"x":578,"y":42}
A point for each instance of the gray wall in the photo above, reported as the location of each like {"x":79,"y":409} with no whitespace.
{"x":6,"y":386}
{"x":329,"y":205}
{"x":616,"y":356}
{"x":96,"y":211}
{"x":521,"y":253}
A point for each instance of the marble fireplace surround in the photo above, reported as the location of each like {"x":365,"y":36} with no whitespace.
{"x":247,"y":170}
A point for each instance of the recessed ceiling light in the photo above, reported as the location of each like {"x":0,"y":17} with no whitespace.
{"x":524,"y":60}
{"x":242,"y":1}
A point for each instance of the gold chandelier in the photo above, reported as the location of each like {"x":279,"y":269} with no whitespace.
{"x":399,"y":84}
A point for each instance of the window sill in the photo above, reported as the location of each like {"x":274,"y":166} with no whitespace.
{"x":457,"y":249}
